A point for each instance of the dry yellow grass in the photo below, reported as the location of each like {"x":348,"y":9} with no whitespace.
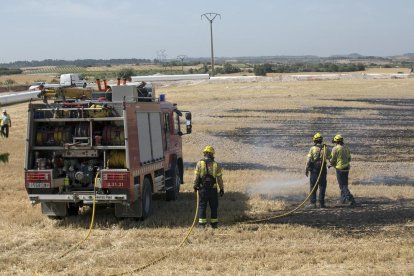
{"x":48,"y":77}
{"x":29,"y":78}
{"x":262,"y":177}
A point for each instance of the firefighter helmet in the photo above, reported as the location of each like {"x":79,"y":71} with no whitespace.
{"x":317,"y":137}
{"x":338,"y":138}
{"x":209,"y":149}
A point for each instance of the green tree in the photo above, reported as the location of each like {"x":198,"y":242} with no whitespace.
{"x":332,"y":67}
{"x":205,"y":68}
{"x":360,"y":67}
{"x":259,"y":70}
{"x":228,"y":68}
{"x":126,"y":73}
{"x":7,"y":71}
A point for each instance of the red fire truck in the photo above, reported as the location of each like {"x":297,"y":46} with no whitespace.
{"x":115,"y":148}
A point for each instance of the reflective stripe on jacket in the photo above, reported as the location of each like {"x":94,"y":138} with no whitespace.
{"x":203,"y":170}
{"x":213,"y":168}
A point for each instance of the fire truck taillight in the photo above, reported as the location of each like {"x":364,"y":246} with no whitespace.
{"x":113,"y":179}
{"x":38,"y":179}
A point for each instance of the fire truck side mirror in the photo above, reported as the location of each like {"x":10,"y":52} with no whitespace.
{"x":188,"y":122}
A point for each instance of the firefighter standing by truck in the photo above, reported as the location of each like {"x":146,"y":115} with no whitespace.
{"x":5,"y":123}
{"x":314,"y":165}
{"x":207,"y":176}
{"x":341,"y":159}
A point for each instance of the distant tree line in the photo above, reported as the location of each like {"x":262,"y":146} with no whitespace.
{"x":263,"y":69}
{"x":227,"y":68}
{"x":7,"y":71}
{"x":77,"y":62}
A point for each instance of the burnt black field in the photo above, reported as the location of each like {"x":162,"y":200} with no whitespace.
{"x":382,"y":130}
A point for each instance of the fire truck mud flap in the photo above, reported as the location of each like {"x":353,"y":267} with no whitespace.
{"x":53,"y":209}
{"x":141,"y":208}
{"x":132,"y":210}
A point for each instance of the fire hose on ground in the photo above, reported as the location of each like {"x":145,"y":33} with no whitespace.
{"x":91,"y":224}
{"x":156,"y":260}
{"x":164,"y":256}
{"x":301,"y":204}
{"x":190,"y":230}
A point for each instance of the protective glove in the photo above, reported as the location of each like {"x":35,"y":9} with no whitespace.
{"x":307,"y":172}
{"x":221,"y":192}
{"x":196,"y":188}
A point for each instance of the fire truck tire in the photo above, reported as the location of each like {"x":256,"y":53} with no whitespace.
{"x":146,"y":199}
{"x":172,"y":194}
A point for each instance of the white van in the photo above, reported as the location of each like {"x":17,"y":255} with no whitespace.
{"x":72,"y":80}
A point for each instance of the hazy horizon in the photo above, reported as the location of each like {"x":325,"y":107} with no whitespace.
{"x":92,"y":29}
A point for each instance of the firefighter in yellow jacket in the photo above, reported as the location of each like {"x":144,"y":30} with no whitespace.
{"x":341,"y":160}
{"x":207,"y":177}
{"x":316,"y":166}
{"x":5,"y":123}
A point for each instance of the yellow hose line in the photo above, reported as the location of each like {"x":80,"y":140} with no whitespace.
{"x":153,"y":262}
{"x":194,"y":221}
{"x":92,"y":221}
{"x":303,"y":202}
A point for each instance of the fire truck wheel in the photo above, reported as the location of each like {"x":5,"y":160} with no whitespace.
{"x":172,"y":194}
{"x":146,"y":199}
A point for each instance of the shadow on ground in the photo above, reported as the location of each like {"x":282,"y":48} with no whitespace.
{"x":179,"y":213}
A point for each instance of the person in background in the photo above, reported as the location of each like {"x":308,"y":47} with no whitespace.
{"x":341,"y":160}
{"x":315,"y":163}
{"x":207,"y":176}
{"x":5,"y":123}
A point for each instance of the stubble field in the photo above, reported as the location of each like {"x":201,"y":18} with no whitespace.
{"x":261,"y":131}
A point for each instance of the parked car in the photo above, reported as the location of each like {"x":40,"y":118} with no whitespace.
{"x":36,"y":86}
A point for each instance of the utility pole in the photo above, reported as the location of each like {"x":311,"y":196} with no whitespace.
{"x":210,"y":16}
{"x":161,"y":55}
{"x":182,"y":57}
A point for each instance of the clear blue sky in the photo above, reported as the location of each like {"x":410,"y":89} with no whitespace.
{"x":78,"y":29}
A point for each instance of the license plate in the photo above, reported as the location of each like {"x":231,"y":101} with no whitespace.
{"x":103,"y":197}
{"x":39,"y":185}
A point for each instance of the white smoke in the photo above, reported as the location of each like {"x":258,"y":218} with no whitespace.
{"x":290,"y":189}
